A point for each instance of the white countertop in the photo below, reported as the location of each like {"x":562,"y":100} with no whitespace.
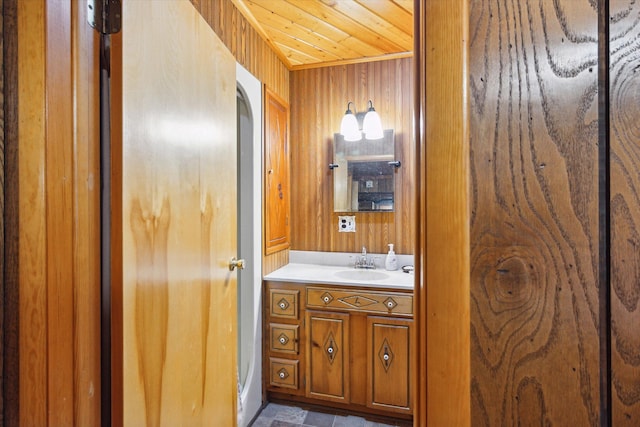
{"x":335,"y":275}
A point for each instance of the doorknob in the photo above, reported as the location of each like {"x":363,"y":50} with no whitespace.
{"x":236,"y":263}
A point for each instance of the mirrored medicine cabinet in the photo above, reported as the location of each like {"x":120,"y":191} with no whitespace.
{"x":363,"y":174}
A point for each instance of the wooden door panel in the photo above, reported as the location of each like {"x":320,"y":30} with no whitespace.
{"x":179,"y":218}
{"x":534,"y":213}
{"x":328,"y":356}
{"x":388,"y":373}
{"x":277,"y":194}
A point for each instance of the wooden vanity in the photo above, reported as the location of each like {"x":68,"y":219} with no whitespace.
{"x":339,"y":346}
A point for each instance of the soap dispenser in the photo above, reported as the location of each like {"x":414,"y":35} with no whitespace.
{"x":391,"y":262}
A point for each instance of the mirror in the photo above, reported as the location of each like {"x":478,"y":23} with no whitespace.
{"x":363,"y":174}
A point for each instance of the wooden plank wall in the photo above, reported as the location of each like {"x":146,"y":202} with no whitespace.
{"x":534,"y":213}
{"x":624,"y":46}
{"x":318,"y":101}
{"x":254,"y":54}
{"x":58,"y":240}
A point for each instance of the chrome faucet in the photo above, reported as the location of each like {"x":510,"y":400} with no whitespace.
{"x":364,"y":261}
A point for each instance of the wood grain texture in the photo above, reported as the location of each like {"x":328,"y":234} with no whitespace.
{"x":58,"y":241}
{"x":179,"y":219}
{"x":250,"y":50}
{"x":32,"y":207}
{"x":245,"y":43}
{"x":624,"y":113}
{"x":86,"y":224}
{"x":442,"y":253}
{"x":321,"y":96}
{"x":276,"y":174}
{"x":534,"y":213}
{"x":59,"y":215}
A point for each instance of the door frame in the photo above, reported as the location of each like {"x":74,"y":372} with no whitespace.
{"x":442,"y":357}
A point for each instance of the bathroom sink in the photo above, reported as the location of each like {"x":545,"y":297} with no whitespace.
{"x":362,"y":275}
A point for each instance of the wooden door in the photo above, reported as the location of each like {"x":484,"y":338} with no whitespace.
{"x":178,"y":218}
{"x":276,"y":161}
{"x":388,"y":372}
{"x":328,"y":356}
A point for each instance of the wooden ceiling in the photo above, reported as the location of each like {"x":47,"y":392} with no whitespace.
{"x":317,"y":33}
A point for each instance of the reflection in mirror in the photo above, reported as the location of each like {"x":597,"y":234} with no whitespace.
{"x":363,"y":178}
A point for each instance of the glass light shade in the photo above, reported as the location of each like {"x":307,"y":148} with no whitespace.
{"x":372,"y":126}
{"x":349,"y":127}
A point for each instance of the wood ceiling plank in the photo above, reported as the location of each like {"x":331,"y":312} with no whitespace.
{"x":286,"y":39}
{"x":391,"y":12}
{"x":319,"y":32}
{"x":351,"y":25}
{"x":307,"y":26}
{"x":406,"y":5}
{"x":364,"y":17}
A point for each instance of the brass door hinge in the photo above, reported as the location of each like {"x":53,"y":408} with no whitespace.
{"x":105,"y":15}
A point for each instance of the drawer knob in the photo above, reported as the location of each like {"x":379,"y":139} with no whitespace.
{"x":283,"y":304}
{"x":283,"y":340}
{"x":326,"y":298}
{"x":283,"y":374}
{"x":390,"y":303}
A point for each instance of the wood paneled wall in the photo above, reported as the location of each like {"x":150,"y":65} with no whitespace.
{"x":58,"y":195}
{"x":624,"y":46}
{"x":534,"y":213}
{"x":245,"y":44}
{"x":318,"y":101}
{"x":254,"y":54}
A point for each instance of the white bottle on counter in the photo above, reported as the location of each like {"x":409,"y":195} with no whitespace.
{"x":391,"y":262}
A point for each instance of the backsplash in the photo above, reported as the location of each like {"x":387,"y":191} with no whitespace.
{"x":346,"y":259}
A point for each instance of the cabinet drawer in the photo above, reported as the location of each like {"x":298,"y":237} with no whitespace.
{"x":284,"y":338}
{"x":283,"y":373}
{"x":284,"y":303}
{"x":395,"y":303}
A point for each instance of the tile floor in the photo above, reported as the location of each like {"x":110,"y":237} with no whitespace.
{"x":279,"y":415}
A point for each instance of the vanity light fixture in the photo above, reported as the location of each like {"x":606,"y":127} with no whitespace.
{"x":349,"y":125}
{"x":371,"y":124}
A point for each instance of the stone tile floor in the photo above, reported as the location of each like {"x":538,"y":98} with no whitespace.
{"x":279,"y":415}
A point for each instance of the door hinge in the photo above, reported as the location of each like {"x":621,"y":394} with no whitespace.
{"x":105,"y":15}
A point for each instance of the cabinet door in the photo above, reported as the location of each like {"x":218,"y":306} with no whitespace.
{"x":276,"y":162}
{"x":328,"y":356}
{"x":388,"y":378}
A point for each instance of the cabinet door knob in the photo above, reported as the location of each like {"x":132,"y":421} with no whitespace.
{"x":283,"y":340}
{"x":282,"y":375}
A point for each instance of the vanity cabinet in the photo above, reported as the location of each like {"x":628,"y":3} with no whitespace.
{"x":352,"y":346}
{"x":328,"y":356}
